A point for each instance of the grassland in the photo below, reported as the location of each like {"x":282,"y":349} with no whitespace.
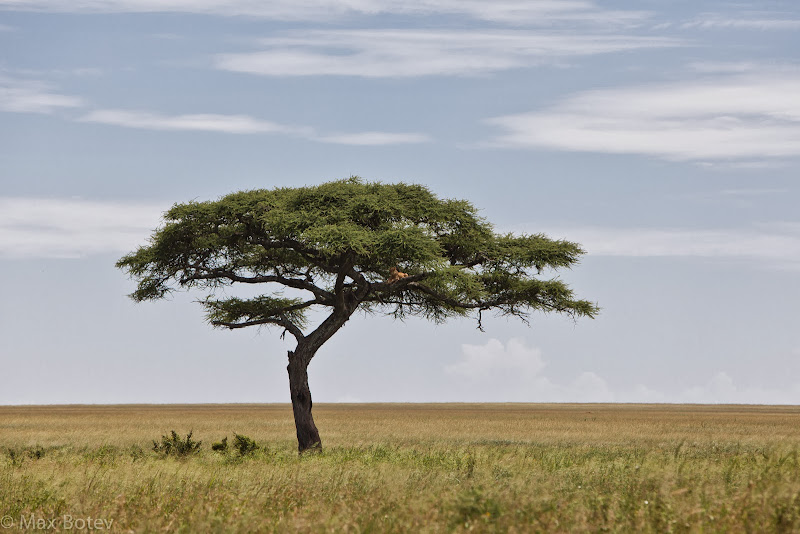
{"x":409,"y":468}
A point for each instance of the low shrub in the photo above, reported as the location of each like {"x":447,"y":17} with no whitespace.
{"x":173,"y":445}
{"x":244,"y":445}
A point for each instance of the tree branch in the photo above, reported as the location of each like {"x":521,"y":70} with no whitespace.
{"x":297,"y":246}
{"x":291,"y":327}
{"x":326,"y":329}
{"x":363,"y":284}
{"x":233,"y":326}
{"x":399,"y":285}
{"x":511,"y":301}
{"x":341,"y":275}
{"x":481,"y":305}
{"x":214,"y":274}
{"x":277,"y":317}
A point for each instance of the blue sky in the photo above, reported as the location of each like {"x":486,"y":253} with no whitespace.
{"x":662,"y":135}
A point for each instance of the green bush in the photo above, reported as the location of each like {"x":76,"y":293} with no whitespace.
{"x":136,"y":452}
{"x":173,"y":445}
{"x":18,"y":455}
{"x":244,"y":445}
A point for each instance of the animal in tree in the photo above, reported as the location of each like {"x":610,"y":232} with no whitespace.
{"x":337,"y":248}
{"x":395,"y":275}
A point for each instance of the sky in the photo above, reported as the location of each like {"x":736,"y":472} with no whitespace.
{"x":664,"y":136}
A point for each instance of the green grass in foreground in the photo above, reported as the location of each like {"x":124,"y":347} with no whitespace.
{"x":409,"y":468}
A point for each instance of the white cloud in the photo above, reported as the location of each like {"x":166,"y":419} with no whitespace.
{"x":745,"y":165}
{"x":411,"y":53}
{"x":723,"y":67}
{"x":722,"y":389}
{"x":719,"y":388}
{"x":752,"y":192}
{"x":494,"y":357}
{"x":375,"y":138}
{"x":513,"y":372}
{"x":70,"y":228}
{"x":754,"y":23}
{"x":35,"y":97}
{"x":206,"y":122}
{"x":242,"y":124}
{"x":26,"y":96}
{"x":772,"y":246}
{"x":730,"y":118}
{"x":541,"y":12}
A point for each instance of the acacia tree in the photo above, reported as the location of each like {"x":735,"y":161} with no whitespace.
{"x":332,"y":247}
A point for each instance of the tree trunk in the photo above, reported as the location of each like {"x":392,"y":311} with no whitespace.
{"x":307,"y":433}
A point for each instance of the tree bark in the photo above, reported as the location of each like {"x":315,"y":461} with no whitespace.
{"x":307,"y":346}
{"x":307,"y":433}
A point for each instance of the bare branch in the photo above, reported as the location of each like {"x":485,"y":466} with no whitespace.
{"x":291,"y":327}
{"x":323,"y":297}
{"x":341,"y":275}
{"x":278,"y":317}
{"x":364,"y":287}
{"x":233,"y":326}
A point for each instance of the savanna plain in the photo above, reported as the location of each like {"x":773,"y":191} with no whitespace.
{"x":403,"y":468}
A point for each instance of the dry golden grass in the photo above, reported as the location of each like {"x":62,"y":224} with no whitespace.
{"x":410,"y":467}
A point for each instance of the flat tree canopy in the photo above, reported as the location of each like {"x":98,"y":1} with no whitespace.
{"x":344,"y":246}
